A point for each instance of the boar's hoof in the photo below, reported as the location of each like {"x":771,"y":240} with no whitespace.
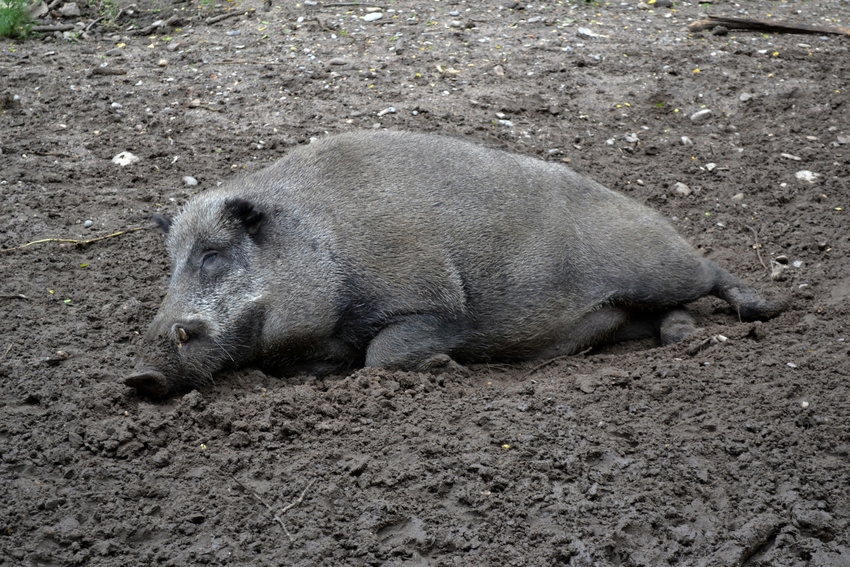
{"x":148,"y":382}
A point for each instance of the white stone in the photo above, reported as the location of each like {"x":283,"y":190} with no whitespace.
{"x":806,"y":175}
{"x":701,"y":116}
{"x":125,"y":158}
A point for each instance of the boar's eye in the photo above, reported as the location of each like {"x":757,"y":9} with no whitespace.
{"x":208,"y":259}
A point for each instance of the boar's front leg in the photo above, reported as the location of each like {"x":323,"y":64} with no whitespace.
{"x":419,"y":342}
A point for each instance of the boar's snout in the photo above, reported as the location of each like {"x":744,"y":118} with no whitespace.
{"x":176,"y":354}
{"x":148,"y":381}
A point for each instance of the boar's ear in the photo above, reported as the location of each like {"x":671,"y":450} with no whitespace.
{"x":245,"y":212}
{"x":163,"y":221}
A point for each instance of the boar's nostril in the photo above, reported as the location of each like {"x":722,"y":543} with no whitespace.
{"x":149,"y":382}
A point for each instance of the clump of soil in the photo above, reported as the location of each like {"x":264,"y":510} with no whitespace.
{"x":710,"y":452}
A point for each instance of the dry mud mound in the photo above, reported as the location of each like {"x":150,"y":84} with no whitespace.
{"x":711,"y":452}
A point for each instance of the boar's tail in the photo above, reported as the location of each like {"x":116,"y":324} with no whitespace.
{"x":747,"y":301}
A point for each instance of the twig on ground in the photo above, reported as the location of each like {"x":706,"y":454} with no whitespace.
{"x":283,"y":510}
{"x":217,"y":19}
{"x":72,"y":240}
{"x":764,"y":25}
{"x":45,"y":29}
{"x":93,"y":22}
{"x":15,"y":296}
{"x":107,"y":71}
{"x":554,"y":360}
{"x":712,"y":340}
{"x":7,"y":351}
{"x":757,"y":247}
{"x":295,"y":503}
{"x":122,"y":10}
{"x":156,"y":25}
{"x":351,"y":5}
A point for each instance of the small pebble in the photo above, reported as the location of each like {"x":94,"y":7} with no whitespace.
{"x":338,"y":61}
{"x":114,"y":52}
{"x":454,"y":13}
{"x":162,"y":63}
{"x":683,"y":189}
{"x":70,"y":10}
{"x":87,"y":224}
{"x":745,"y":97}
{"x":507,"y":123}
{"x":390,"y":110}
{"x":374,"y":16}
{"x":190,"y":181}
{"x":117,"y":105}
{"x":125,"y":158}
{"x":234,"y":32}
{"x":586,"y":33}
{"x":738,"y":197}
{"x":686,"y":141}
{"x":534,"y":19}
{"x":797,"y":263}
{"x":710,"y":166}
{"x":701,"y":116}
{"x":804,"y":405}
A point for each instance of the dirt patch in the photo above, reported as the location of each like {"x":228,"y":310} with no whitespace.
{"x":710,"y":452}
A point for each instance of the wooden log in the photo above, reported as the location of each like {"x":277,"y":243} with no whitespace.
{"x":764,"y":25}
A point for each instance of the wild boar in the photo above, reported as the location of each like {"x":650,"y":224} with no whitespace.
{"x":413,"y":251}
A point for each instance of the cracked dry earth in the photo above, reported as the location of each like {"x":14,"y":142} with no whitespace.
{"x":709,"y":452}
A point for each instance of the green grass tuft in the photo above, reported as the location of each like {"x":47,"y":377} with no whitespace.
{"x":15,"y":19}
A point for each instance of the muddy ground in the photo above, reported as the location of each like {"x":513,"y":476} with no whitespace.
{"x":704,"y":453}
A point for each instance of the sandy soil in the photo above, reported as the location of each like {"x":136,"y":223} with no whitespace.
{"x":705,"y":453}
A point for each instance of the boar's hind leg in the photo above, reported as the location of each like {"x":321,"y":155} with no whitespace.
{"x":671,"y":325}
{"x":416,"y":342}
{"x":744,"y":299}
{"x":600,"y":325}
{"x":612,"y":324}
{"x":675,"y":325}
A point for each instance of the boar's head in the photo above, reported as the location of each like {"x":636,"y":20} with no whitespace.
{"x":210,"y":317}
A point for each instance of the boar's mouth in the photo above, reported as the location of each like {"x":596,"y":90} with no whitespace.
{"x":148,"y":381}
